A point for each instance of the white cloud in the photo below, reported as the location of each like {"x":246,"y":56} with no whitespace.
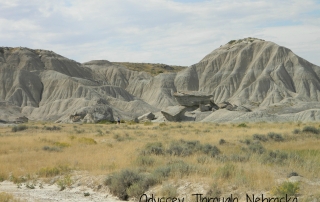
{"x":163,"y":31}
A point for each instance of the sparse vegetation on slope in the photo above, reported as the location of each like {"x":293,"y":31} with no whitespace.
{"x":152,"y":68}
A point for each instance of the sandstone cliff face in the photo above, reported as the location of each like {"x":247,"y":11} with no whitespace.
{"x":252,"y":75}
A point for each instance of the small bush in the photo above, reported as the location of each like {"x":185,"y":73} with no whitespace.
{"x":256,"y":148}
{"x":259,"y":137}
{"x":19,"y":128}
{"x":161,"y":173}
{"x":210,"y":150}
{"x":128,"y":183}
{"x":65,"y":182}
{"x":180,"y":168}
{"x":51,"y":149}
{"x":246,"y":141}
{"x":310,"y":129}
{"x":242,"y":125}
{"x":222,"y":141}
{"x":174,"y":169}
{"x":52,"y":128}
{"x":289,"y":188}
{"x":179,"y":148}
{"x":154,"y":148}
{"x":275,"y":136}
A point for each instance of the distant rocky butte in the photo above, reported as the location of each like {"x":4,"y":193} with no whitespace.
{"x":244,"y":80}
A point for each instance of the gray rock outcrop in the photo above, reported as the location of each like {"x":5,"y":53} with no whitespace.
{"x":174,"y":113}
{"x":92,"y":114}
{"x":192,"y":98}
{"x":146,"y":117}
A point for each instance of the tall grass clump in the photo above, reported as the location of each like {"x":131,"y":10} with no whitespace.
{"x":53,"y":171}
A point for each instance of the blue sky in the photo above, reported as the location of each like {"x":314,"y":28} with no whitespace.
{"x":176,"y":32}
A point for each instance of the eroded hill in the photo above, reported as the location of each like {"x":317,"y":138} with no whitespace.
{"x":260,"y":81}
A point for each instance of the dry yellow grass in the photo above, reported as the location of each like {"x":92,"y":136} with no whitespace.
{"x":107,"y":148}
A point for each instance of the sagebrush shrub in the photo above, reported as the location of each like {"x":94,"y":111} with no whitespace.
{"x":260,"y":137}
{"x":256,"y":148}
{"x":242,"y":125}
{"x":154,"y":148}
{"x":310,"y":129}
{"x":19,"y":128}
{"x":129,"y":183}
{"x":276,"y":137}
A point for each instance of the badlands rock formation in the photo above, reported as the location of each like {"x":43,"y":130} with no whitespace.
{"x":244,"y":80}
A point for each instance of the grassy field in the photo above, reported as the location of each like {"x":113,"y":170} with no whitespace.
{"x":227,"y":157}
